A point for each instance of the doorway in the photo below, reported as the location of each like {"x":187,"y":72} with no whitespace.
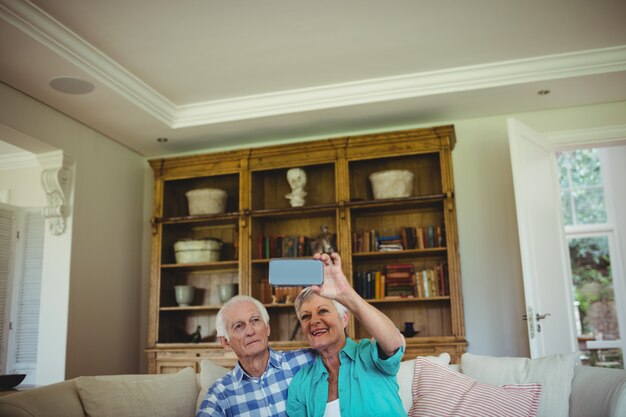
{"x":592,"y":223}
{"x":19,"y":188}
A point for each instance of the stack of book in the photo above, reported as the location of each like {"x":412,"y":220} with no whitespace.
{"x":400,"y":280}
{"x":390,"y":243}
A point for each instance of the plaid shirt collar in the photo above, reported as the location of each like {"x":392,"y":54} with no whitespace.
{"x":239,"y":373}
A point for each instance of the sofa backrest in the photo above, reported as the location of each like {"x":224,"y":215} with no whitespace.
{"x":55,"y":400}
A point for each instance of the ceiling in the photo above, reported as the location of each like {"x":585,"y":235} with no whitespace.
{"x":208,"y":74}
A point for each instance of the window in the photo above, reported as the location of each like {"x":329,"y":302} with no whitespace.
{"x":582,"y":192}
{"x":21,"y":255}
{"x":591,"y":238}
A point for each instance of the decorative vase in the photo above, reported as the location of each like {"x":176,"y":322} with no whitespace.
{"x":227,"y":291}
{"x":409,"y":329}
{"x":184,"y":294}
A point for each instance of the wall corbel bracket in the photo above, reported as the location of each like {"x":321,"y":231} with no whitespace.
{"x":56,"y":180}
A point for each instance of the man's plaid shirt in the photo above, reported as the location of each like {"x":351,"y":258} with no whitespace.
{"x":238,"y":394}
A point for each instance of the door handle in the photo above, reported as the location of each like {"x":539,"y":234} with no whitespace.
{"x":537,"y":316}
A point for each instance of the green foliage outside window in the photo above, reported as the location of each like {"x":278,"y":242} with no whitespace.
{"x":591,"y":273}
{"x":582,"y":193}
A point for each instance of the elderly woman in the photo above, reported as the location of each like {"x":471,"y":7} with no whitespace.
{"x":348,"y":378}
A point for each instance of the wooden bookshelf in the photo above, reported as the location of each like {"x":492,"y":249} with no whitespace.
{"x":339,"y":196}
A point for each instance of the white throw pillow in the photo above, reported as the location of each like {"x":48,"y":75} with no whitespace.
{"x":405,"y":376}
{"x":209,"y":373}
{"x":153,"y":396}
{"x":554,"y":372}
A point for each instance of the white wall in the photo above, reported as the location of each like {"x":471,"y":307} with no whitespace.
{"x":107,"y":266}
{"x":24,"y":186}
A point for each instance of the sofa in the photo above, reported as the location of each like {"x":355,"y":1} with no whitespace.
{"x":590,"y":391}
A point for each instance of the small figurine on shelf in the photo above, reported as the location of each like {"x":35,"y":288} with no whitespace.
{"x":409,"y":329}
{"x":196,"y":336}
{"x":324,"y":242}
{"x":297,"y":180}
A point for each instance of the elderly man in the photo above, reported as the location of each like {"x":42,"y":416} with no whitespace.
{"x":258,"y":384}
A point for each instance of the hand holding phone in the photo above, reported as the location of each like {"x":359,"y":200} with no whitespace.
{"x":288,"y":272}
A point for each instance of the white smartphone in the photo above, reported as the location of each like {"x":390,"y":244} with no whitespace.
{"x":287,"y":272}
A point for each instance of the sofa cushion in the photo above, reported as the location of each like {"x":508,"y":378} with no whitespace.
{"x":209,"y":373}
{"x":405,"y":376}
{"x":598,"y":392}
{"x":441,"y":391}
{"x":554,"y":372}
{"x":159,"y":395}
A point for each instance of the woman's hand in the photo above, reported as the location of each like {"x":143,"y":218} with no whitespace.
{"x":336,"y":285}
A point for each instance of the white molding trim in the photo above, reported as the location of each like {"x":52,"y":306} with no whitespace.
{"x":56,"y":179}
{"x":49,"y":32}
{"x":595,"y":135}
{"x":18,"y":160}
{"x":405,"y":86}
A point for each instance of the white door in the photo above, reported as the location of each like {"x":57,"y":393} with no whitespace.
{"x":545,"y":259}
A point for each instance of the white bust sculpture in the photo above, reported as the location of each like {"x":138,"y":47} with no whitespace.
{"x":297,"y":180}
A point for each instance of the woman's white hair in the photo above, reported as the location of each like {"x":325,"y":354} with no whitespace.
{"x":307,"y":293}
{"x":220,"y":322}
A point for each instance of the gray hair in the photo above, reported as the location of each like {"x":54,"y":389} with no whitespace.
{"x":220,"y":322}
{"x":307,"y":293}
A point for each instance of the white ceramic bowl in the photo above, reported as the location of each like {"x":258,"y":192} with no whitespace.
{"x":394,"y":183}
{"x":201,"y":250}
{"x":206,"y":201}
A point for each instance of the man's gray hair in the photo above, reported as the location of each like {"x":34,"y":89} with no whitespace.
{"x":307,"y":293}
{"x":220,"y":320}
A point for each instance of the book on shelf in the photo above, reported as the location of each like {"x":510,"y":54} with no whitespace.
{"x":390,"y":247}
{"x":281,"y":246}
{"x":265,"y":291}
{"x":432,"y":282}
{"x":369,"y":284}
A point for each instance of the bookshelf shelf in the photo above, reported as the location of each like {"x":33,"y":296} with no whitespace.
{"x":209,"y":219}
{"x":192,"y":308}
{"x":401,"y":253}
{"x":409,"y":300}
{"x":216,"y":266}
{"x":295,"y":212}
{"x":259,"y":223}
{"x":279,"y":305}
{"x":396,"y":203}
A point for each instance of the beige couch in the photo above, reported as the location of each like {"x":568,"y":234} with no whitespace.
{"x":594,"y":392}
